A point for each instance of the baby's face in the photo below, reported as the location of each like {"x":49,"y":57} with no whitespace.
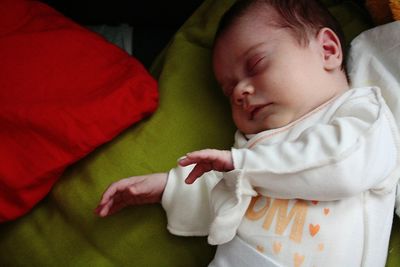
{"x":270,"y":79}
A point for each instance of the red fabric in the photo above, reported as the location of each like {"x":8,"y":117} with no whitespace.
{"x":63,"y":92}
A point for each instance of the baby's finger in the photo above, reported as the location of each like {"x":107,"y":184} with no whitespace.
{"x":205,"y":155}
{"x":191,"y":179}
{"x":113,"y":189}
{"x":97,"y":210}
{"x":197,"y":171}
{"x":110,"y":191}
{"x":185,"y":161}
{"x":117,"y":207}
{"x":103,"y":210}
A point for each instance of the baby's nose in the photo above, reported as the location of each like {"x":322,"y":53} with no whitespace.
{"x":241,"y":92}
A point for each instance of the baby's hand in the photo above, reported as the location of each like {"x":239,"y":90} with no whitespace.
{"x":207,"y":160}
{"x":135,"y":190}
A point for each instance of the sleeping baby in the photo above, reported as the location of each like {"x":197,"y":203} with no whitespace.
{"x":311,"y":178}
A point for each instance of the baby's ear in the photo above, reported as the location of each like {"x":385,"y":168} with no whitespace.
{"x":331,"y":49}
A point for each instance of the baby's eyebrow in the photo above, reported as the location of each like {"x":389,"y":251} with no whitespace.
{"x":265,"y":47}
{"x":251,"y":49}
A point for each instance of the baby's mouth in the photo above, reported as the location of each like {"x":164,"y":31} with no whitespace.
{"x":256,"y":110}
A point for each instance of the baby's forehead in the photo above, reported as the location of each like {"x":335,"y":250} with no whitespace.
{"x":264,"y":16}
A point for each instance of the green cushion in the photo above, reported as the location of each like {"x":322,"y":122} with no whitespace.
{"x":193,"y":113}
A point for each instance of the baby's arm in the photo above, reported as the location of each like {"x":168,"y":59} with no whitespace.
{"x":207,"y":160}
{"x":136,"y":190}
{"x":354,"y":151}
{"x":183,"y":203}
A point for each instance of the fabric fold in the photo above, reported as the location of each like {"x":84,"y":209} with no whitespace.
{"x":229,"y":199}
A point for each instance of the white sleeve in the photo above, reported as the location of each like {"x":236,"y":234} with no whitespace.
{"x":188,"y":206}
{"x":354,"y":152}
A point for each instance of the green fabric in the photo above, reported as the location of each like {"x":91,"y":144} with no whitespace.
{"x":63,"y":231}
{"x":394,"y":245}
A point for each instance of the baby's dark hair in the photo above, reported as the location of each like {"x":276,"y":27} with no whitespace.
{"x":303,"y":17}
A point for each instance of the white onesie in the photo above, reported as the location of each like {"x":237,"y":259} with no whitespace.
{"x":317,"y":192}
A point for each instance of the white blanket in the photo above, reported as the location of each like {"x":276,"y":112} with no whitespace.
{"x":374,"y":59}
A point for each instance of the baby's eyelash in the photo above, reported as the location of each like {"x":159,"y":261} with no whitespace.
{"x":254,"y":65}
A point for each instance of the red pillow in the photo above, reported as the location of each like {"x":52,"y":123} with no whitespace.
{"x":63,"y":92}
